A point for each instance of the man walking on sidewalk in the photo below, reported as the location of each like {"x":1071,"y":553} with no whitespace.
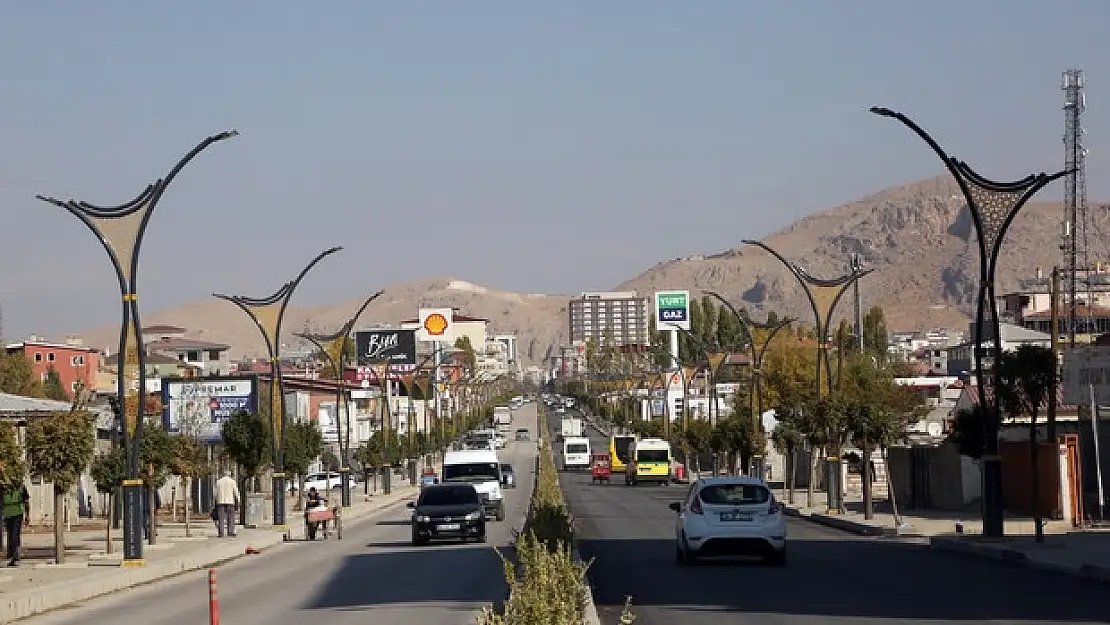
{"x":227,"y":501}
{"x":17,"y":510}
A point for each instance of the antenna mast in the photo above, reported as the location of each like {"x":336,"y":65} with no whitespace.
{"x":1074,"y":228}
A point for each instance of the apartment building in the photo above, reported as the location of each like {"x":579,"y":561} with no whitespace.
{"x":619,"y":317}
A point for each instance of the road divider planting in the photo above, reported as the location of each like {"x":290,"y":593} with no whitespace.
{"x":547,"y":581}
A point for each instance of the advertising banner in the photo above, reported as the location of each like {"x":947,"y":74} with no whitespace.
{"x":435,"y":325}
{"x":394,"y":347}
{"x":200,"y":406}
{"x":672,"y":309}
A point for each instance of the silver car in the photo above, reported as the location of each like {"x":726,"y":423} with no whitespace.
{"x":508,"y":478}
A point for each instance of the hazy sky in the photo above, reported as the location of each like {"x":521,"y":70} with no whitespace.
{"x":532,"y":146}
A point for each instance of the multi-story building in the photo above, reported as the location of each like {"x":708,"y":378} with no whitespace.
{"x":961,"y":358}
{"x":1030,"y":305}
{"x":75,"y":364}
{"x":206,"y":357}
{"x":618,"y":317}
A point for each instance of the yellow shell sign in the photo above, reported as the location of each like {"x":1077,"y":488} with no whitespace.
{"x":435,"y":324}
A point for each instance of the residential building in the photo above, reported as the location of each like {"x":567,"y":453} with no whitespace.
{"x":158,"y":366}
{"x":927,"y":350}
{"x":75,"y":364}
{"x":617,"y":317}
{"x":961,"y":358}
{"x":1031,"y":304}
{"x":207,"y":357}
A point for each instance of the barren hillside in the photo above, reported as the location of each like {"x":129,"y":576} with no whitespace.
{"x":917,"y":237}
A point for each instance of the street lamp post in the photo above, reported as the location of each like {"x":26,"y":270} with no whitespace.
{"x":267,"y":314}
{"x":120,"y":230}
{"x":342,"y":406}
{"x":993,"y":206}
{"x":756,"y":352}
{"x":823,"y":295}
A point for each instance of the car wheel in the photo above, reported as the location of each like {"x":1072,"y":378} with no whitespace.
{"x":776,"y":557}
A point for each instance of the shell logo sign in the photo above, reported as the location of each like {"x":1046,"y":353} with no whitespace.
{"x":435,"y":325}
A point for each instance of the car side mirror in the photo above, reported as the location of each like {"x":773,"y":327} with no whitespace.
{"x":677,"y":507}
{"x":411,"y":504}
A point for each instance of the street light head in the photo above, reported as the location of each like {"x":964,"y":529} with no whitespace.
{"x":882,"y":112}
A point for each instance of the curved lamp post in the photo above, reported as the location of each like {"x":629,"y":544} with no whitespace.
{"x":267,"y":314}
{"x":120,"y":230}
{"x":993,"y":206}
{"x":756,"y":352}
{"x":824,"y":295}
{"x":342,"y":406}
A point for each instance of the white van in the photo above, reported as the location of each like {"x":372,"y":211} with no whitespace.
{"x":576,"y":453}
{"x":481,"y":469}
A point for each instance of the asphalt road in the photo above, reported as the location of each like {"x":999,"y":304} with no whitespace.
{"x":373,"y":575}
{"x":830,"y":577}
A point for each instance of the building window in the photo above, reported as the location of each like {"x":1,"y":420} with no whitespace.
{"x":38,"y":356}
{"x":192,"y":356}
{"x":78,"y":360}
{"x":213,"y":354}
{"x":50,"y":357}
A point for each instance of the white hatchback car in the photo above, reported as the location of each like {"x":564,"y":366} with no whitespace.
{"x":730,"y":516}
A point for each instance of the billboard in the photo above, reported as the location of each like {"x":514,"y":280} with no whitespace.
{"x":1086,"y":367}
{"x":378,"y":347}
{"x":672,"y":309}
{"x":200,"y":406}
{"x":435,"y":325}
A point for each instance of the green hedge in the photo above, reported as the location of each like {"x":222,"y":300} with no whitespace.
{"x":547,"y":585}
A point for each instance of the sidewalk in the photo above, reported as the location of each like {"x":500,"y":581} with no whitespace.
{"x":1082,"y":553}
{"x":38,"y":585}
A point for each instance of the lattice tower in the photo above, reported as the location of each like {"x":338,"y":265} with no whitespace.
{"x":1075,"y":224}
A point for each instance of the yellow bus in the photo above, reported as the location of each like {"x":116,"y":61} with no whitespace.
{"x":619,"y":451}
{"x":650,"y":462}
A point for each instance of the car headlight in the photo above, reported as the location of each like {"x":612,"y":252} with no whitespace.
{"x":421,"y":519}
{"x":473,"y":516}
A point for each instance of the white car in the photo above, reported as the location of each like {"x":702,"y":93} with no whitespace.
{"x":322,"y":482}
{"x":729,"y":516}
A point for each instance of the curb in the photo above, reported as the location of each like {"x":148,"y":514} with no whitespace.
{"x":844,"y":525}
{"x":62,"y":594}
{"x":1009,"y":555}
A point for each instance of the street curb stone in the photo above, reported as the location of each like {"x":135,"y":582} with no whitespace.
{"x":844,"y":525}
{"x":62,"y":594}
{"x":1092,"y":572}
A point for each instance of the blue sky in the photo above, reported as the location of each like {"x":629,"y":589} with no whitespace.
{"x":557,"y":147}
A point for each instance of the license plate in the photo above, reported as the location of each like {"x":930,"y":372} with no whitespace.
{"x":736,"y":516}
{"x":449,"y":527}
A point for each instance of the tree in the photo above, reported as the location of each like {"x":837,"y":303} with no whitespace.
{"x":787,"y":440}
{"x":875,"y":336}
{"x":59,"y":447}
{"x":189,"y":461}
{"x":12,"y":466}
{"x":694,"y":439}
{"x":246,"y":437}
{"x":740,"y":438}
{"x":966,"y":432}
{"x":730,"y":334}
{"x":108,"y":470}
{"x":52,"y":386}
{"x":469,"y":356}
{"x":1028,"y":379}
{"x":156,"y":450}
{"x":302,"y":445}
{"x":16,"y":375}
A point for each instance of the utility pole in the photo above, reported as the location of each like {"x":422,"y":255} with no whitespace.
{"x":857,"y":265}
{"x":1054,"y":316}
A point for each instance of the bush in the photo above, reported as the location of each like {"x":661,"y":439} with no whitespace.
{"x":547,"y":586}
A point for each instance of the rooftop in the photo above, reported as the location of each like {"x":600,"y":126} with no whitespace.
{"x":183,"y":344}
{"x":48,"y":344}
{"x":1081,"y":310}
{"x":163,"y":329}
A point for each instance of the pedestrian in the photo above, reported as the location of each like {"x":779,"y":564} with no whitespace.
{"x":227,"y":502}
{"x":17,"y":513}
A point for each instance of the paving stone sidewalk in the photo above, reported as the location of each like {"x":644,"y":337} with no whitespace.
{"x":1082,"y":553}
{"x":39,"y":585}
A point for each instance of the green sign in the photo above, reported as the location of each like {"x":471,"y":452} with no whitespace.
{"x":672,"y":310}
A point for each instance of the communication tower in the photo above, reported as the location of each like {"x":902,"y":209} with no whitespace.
{"x":1075,"y":225}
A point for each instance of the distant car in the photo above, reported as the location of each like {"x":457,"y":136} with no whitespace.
{"x":523,"y":434}
{"x":448,"y":512}
{"x":729,"y":516}
{"x":322,"y":482}
{"x":508,"y":477}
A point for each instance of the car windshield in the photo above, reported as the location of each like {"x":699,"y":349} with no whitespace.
{"x":448,"y":497}
{"x":652,"y":455}
{"x":473,"y":472}
{"x":506,"y":468}
{"x":577,"y":448}
{"x":734,"y":494}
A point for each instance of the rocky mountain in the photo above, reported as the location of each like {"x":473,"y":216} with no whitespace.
{"x":538,"y":320}
{"x":918,"y":238}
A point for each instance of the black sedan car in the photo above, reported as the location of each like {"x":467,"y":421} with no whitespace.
{"x":448,"y":512}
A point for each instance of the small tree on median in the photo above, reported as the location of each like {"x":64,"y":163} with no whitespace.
{"x":156,"y":449}
{"x":59,"y":447}
{"x":189,"y":461}
{"x":246,"y":438}
{"x":108,"y":471}
{"x":303,"y":444}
